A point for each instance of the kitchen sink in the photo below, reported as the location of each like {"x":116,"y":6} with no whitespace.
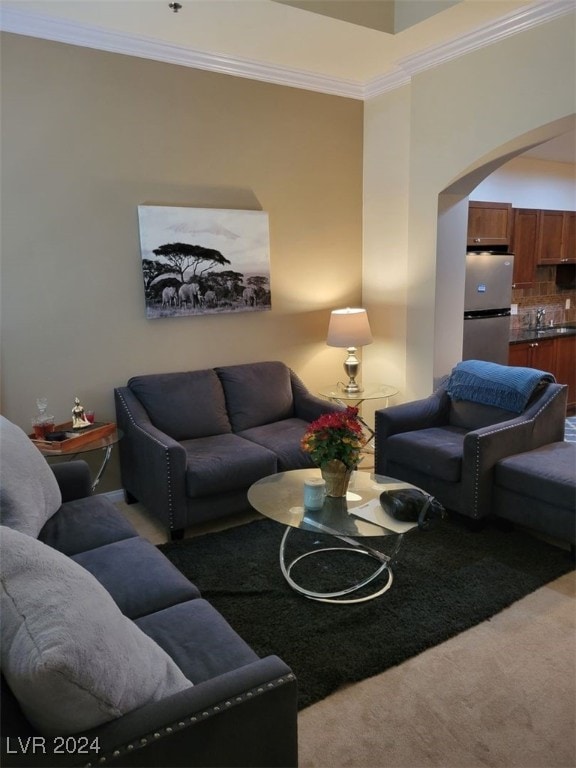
{"x":557,"y":329}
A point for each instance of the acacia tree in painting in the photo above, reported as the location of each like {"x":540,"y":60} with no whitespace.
{"x":152,"y":270}
{"x":226,"y":284}
{"x":183,"y":256}
{"x":260,"y":284}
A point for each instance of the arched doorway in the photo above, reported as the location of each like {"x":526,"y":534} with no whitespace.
{"x":451,"y":240}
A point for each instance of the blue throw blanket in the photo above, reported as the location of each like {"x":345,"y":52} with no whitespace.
{"x":492,"y":384}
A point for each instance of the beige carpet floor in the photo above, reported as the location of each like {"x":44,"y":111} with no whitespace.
{"x":501,"y":694}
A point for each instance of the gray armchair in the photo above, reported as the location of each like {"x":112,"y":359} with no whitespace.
{"x":449,"y":447}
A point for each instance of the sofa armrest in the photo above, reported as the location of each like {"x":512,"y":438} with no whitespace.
{"x":152,"y":464}
{"x":306,"y":405}
{"x":74,"y":479}
{"x":247,"y":717}
{"x":429,"y":412}
{"x":541,"y":423}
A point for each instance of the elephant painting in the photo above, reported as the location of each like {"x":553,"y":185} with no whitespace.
{"x":199,"y":261}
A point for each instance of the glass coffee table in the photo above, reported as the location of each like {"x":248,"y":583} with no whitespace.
{"x":281,"y":498}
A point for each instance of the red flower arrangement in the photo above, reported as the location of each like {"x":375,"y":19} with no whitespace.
{"x":335,"y":436}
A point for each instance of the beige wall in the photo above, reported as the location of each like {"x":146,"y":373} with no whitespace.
{"x":462,"y":115}
{"x":87,"y":136}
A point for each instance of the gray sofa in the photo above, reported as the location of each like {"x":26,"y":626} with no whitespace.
{"x":194,"y":442}
{"x":106,"y":643}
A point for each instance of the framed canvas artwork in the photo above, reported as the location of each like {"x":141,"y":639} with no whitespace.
{"x":198,"y":261}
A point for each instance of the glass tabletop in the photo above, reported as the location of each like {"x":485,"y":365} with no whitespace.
{"x":281,"y":498}
{"x":369,"y":392}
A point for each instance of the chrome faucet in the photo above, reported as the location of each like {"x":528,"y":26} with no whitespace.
{"x":540,"y":314}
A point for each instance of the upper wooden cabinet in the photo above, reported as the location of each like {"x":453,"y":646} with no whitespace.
{"x":525,"y":230}
{"x":536,"y":237}
{"x":570,"y":237}
{"x":557,"y":238}
{"x":489,"y":224}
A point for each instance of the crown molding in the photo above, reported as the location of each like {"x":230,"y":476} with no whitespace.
{"x":530,"y":16}
{"x":73,"y":33}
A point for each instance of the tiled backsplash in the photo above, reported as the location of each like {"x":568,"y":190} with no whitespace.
{"x":543,"y":293}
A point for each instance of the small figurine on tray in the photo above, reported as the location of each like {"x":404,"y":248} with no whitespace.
{"x":79,"y":420}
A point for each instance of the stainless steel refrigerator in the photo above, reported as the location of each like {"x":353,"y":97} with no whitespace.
{"x":487,"y":298}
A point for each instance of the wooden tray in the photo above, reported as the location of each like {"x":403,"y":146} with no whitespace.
{"x":75,"y":438}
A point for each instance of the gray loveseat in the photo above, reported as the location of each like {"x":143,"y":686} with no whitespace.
{"x":110,"y":656}
{"x":195,"y":441}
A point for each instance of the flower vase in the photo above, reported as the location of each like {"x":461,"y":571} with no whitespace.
{"x":337,"y":476}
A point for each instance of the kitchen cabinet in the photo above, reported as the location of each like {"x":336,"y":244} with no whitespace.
{"x":525,"y":230}
{"x":570,"y":237}
{"x":489,"y":224}
{"x":565,"y":367}
{"x":556,"y":238}
{"x":539,"y":354}
{"x":556,"y":356}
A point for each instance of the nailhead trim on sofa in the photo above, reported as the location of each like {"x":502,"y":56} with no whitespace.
{"x":191,"y":720}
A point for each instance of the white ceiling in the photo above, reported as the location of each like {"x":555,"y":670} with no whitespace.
{"x":560,"y":150}
{"x":293,"y":42}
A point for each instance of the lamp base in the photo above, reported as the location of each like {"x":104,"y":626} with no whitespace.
{"x":352,"y":368}
{"x":352,"y":387}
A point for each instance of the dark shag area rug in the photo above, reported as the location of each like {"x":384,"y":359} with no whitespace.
{"x":446,"y":580}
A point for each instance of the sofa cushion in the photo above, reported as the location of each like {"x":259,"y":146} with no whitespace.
{"x":257,"y":393}
{"x":199,"y":640}
{"x":86,"y":524}
{"x":70,"y":657}
{"x":29,"y":492}
{"x":436,"y":451}
{"x":223,"y":463}
{"x":547,"y":473}
{"x":183,"y":405}
{"x":283,"y":439}
{"x":137,"y":576}
{"x":471,"y":416}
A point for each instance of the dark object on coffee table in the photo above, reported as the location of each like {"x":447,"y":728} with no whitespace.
{"x":411,"y":506}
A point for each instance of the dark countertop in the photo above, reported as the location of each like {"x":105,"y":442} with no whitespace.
{"x":550,"y":332}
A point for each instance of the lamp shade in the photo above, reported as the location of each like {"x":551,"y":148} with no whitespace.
{"x":349,"y":328}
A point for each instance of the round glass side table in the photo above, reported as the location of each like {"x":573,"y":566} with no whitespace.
{"x":337,"y":394}
{"x":105,"y":444}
